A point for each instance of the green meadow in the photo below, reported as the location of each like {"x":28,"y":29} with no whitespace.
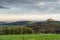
{"x":31,"y":37}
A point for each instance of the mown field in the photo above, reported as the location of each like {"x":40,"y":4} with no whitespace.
{"x":31,"y":37}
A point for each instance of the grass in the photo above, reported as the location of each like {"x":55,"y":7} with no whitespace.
{"x":31,"y":37}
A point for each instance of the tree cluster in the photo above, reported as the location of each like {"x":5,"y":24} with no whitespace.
{"x":16,"y":30}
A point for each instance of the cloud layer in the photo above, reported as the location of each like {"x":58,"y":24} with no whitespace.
{"x":30,"y":7}
{"x":52,"y":6}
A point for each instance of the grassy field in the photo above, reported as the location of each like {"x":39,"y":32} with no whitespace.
{"x":31,"y":37}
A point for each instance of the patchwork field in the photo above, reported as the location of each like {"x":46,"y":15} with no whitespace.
{"x":31,"y":37}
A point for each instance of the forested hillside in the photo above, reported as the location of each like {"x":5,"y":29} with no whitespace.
{"x":29,"y":27}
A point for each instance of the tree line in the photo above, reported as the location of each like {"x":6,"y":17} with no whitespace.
{"x":31,"y":28}
{"x":16,"y":30}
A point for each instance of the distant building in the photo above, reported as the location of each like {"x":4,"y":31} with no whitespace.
{"x":50,"y":19}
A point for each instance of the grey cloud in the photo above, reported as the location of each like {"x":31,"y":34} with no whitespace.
{"x":25,"y":1}
{"x":2,"y":7}
{"x":46,"y":0}
{"x":30,"y":4}
{"x":15,"y":1}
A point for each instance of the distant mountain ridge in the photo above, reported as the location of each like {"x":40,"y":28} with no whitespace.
{"x":27,"y":22}
{"x":15,"y":23}
{"x":2,"y":22}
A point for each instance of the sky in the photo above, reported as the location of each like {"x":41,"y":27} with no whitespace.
{"x":32,"y":10}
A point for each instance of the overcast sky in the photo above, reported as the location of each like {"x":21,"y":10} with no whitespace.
{"x":29,"y":9}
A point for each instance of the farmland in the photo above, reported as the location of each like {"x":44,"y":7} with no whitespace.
{"x":31,"y":37}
